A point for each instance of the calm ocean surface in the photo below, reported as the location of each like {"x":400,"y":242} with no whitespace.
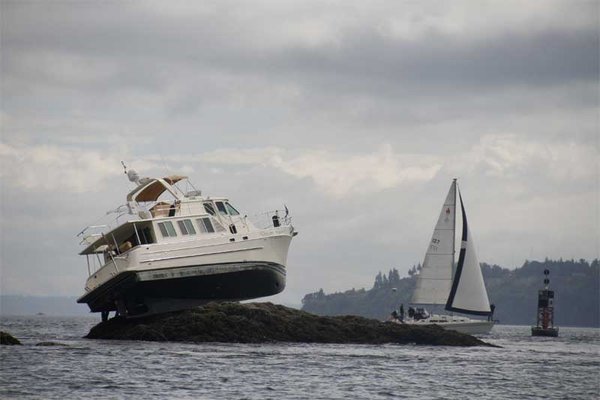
{"x":567,"y":367}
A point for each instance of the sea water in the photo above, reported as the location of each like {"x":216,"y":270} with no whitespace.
{"x":524,"y":367}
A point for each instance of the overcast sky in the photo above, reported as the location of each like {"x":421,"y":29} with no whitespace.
{"x":356,"y":115}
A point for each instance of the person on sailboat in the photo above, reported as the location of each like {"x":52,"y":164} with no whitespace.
{"x":421,"y":313}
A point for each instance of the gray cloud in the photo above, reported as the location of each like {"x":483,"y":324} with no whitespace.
{"x":356,"y":115}
{"x":126,"y":46}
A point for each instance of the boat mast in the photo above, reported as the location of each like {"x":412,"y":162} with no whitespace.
{"x":452,"y":268}
{"x":454,"y":228}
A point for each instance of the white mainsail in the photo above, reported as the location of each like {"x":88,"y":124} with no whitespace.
{"x":468,"y":294}
{"x":435,"y":279}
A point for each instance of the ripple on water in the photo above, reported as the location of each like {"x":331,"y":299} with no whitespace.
{"x":566,"y":367}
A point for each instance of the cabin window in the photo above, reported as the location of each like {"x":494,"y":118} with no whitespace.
{"x":186,"y":227}
{"x":205,"y":225}
{"x":209,"y":209}
{"x":232,"y":211}
{"x":221,"y":208}
{"x":167,"y":229}
{"x":218,"y":226}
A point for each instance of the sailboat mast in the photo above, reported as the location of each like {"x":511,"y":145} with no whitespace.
{"x":454,"y":232}
{"x":454,"y":228}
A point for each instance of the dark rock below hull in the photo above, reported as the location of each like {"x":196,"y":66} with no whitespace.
{"x":267,"y":322}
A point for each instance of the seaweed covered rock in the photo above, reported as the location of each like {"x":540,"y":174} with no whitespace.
{"x":7,"y":338}
{"x":267,"y":322}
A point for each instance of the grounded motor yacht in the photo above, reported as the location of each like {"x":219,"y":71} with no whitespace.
{"x":173,"y":248}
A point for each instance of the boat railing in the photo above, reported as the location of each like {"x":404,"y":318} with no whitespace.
{"x":265,"y":220}
{"x":91,"y":233}
{"x":114,"y":218}
{"x":271,"y":219}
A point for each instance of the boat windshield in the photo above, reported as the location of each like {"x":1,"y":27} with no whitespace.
{"x":221,"y":207}
{"x":231,"y":210}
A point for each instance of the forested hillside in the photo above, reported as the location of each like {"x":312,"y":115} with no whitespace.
{"x":514,"y":292}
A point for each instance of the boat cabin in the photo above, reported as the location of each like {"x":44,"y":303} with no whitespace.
{"x":165,"y":213}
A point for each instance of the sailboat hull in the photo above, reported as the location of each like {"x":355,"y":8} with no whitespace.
{"x":459,"y":324}
{"x":472,"y":328}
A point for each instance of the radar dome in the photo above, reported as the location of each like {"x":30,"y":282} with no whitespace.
{"x":133,"y":176}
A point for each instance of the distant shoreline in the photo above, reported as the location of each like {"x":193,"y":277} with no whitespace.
{"x":513,"y":291}
{"x":59,"y":306}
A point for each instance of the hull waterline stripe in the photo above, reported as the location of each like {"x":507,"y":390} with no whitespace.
{"x":205,"y":270}
{"x":463,"y":311}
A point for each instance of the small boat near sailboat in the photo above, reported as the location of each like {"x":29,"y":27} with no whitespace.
{"x":459,"y":290}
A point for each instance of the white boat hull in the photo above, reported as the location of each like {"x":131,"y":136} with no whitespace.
{"x":471,"y":328}
{"x":178,"y":249}
{"x":192,"y":273}
{"x":459,"y":324}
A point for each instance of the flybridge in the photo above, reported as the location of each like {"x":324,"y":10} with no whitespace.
{"x":150,"y":189}
{"x":150,"y":201}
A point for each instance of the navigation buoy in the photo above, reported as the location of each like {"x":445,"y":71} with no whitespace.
{"x":545,"y":311}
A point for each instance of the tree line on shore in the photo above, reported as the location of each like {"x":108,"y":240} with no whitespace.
{"x":514,"y":293}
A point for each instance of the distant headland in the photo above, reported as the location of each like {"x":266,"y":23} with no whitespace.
{"x":514,"y":293}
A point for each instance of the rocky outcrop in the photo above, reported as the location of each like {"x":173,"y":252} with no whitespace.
{"x":267,"y":322}
{"x":7,"y":338}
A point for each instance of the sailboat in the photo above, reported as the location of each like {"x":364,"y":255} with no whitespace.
{"x":461,"y":290}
